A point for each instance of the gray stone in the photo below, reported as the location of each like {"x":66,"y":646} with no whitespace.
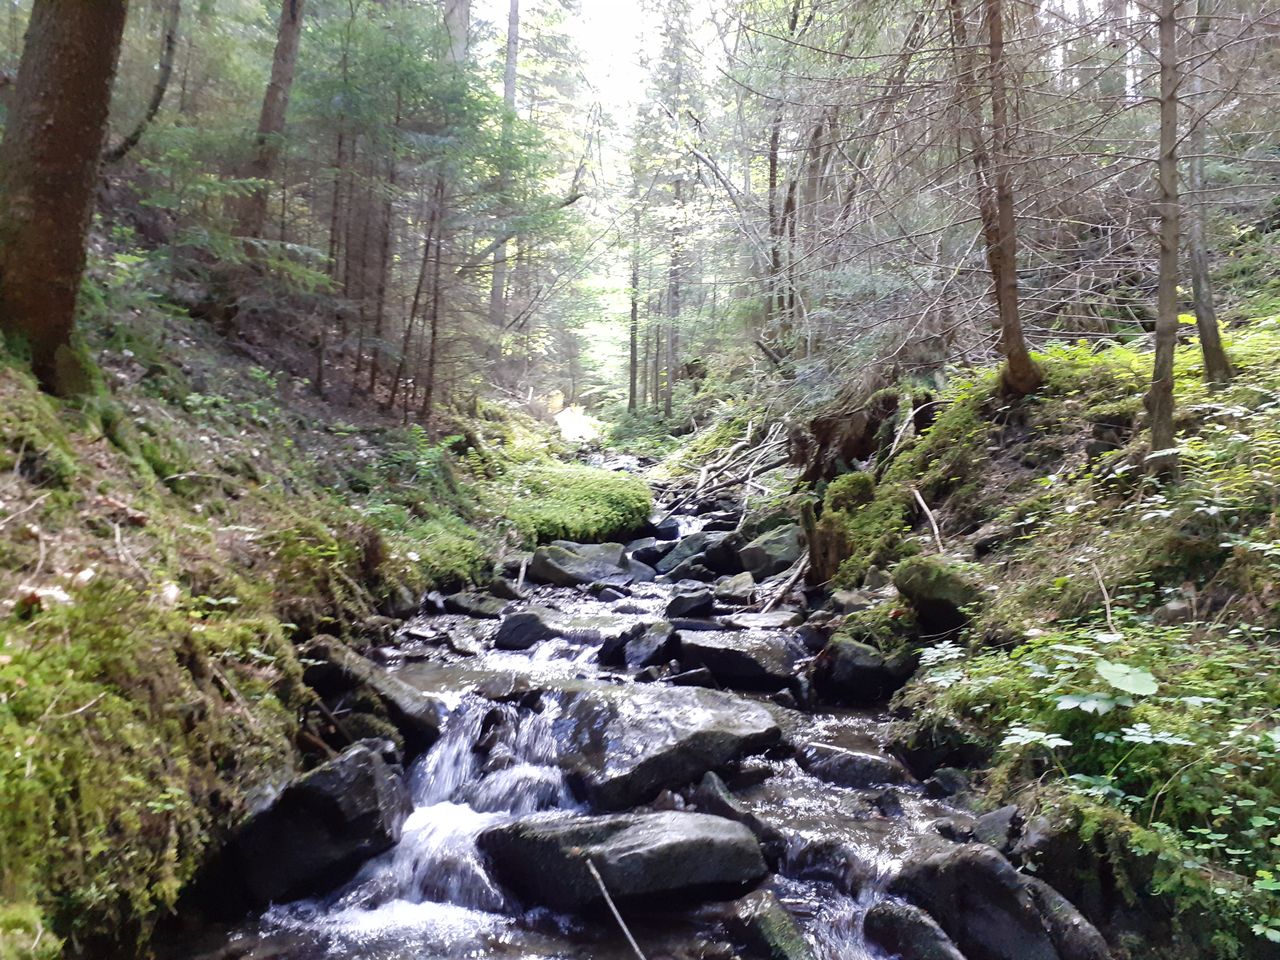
{"x":767,"y":929}
{"x":564,"y":564}
{"x":476,"y":605}
{"x":908,"y":933}
{"x":737,"y":590}
{"x":520,"y":631}
{"x":850,"y":768}
{"x":773,"y":552}
{"x":544,"y":859}
{"x":324,"y":825}
{"x":999,"y":828}
{"x":743,"y":661}
{"x":780,"y":619}
{"x":711,"y":795}
{"x":850,"y":601}
{"x":686,"y":549}
{"x":624,"y":745}
{"x":690,"y":601}
{"x":504,"y":589}
{"x":856,"y":673}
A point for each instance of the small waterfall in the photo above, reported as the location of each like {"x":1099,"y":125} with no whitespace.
{"x":492,"y":762}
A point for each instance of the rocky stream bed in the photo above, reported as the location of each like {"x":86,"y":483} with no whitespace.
{"x":630,"y":720}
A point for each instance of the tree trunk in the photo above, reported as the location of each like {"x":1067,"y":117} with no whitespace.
{"x":1159,"y":399}
{"x":1020,"y":375}
{"x":457,"y":26}
{"x":633,"y":368}
{"x":498,"y":286}
{"x":48,"y":170}
{"x":163,"y":75}
{"x":275,"y":105}
{"x":1217,"y":367}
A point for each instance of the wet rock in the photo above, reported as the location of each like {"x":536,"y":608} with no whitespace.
{"x":985,"y":906}
{"x":476,"y":605}
{"x":623,"y":745}
{"x":1072,"y":934}
{"x":737,"y":591}
{"x":773,"y":552}
{"x":690,"y":601}
{"x":641,"y":572}
{"x":850,"y":768}
{"x":691,"y":546}
{"x":889,"y":802}
{"x":743,"y":661}
{"x":610,"y":594}
{"x":999,"y":828}
{"x":694,"y":678}
{"x":564,"y":564}
{"x":504,"y":589}
{"x":780,"y":619}
{"x":712,"y":795}
{"x":323,"y":826}
{"x":721,"y":520}
{"x":907,"y":932}
{"x":649,"y":550}
{"x":958,"y":829}
{"x":520,"y":631}
{"x":722,"y":552}
{"x":947,"y":782}
{"x":513,"y":564}
{"x":638,"y":856}
{"x":766,"y":929}
{"x":876,"y":579}
{"x":856,"y":673}
{"x":656,"y":645}
{"x":338,"y":669}
{"x":668,"y":529}
{"x":693,"y":570}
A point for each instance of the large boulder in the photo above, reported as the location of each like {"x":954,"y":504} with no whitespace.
{"x":655,"y":645}
{"x":324,"y":825}
{"x":744,"y":660}
{"x":623,"y":745}
{"x":988,"y":909}
{"x":686,"y":549}
{"x":851,"y":672}
{"x":564,"y":564}
{"x":478,"y":605}
{"x":907,"y":932}
{"x":639,"y":856}
{"x":773,"y":552}
{"x":737,"y":590}
{"x":533,"y":625}
{"x":690,"y":600}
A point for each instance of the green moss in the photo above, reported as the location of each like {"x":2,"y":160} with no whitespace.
{"x":886,"y":627}
{"x":24,"y":934}
{"x":848,"y":492}
{"x":570,"y":502}
{"x":931,"y":580}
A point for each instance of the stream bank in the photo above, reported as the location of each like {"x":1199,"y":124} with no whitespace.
{"x":626,"y":724}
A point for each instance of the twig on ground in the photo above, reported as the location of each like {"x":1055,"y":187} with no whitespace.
{"x":933,"y":522}
{"x":1106,"y":597}
{"x":614,"y":908}
{"x":27,"y":509}
{"x":801,"y":568}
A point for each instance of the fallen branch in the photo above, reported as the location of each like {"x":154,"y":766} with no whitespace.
{"x":933,"y":523}
{"x":614,"y":908}
{"x":1106,"y":597}
{"x":802,"y":567}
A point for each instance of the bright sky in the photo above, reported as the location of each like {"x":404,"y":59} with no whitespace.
{"x":609,"y":34}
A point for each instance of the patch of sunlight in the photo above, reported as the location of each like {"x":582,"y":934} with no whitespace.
{"x":578,"y":426}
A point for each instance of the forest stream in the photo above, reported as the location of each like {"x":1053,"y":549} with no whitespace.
{"x":665,"y":732}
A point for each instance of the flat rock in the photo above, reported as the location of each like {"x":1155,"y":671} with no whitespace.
{"x":478,"y":605}
{"x":564,"y":564}
{"x":743,"y":660}
{"x":737,"y":590}
{"x":639,"y":856}
{"x":780,"y":619}
{"x":623,"y":745}
{"x":690,"y":601}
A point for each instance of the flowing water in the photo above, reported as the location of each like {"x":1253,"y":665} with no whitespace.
{"x":499,"y":757}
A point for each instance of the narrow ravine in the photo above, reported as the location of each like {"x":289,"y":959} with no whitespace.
{"x":662,"y":728}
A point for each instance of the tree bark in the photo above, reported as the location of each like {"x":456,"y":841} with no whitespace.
{"x":498,"y":284}
{"x":275,"y":106}
{"x":163,"y":76}
{"x":1159,"y":399}
{"x":1217,"y":366}
{"x":1020,"y":375}
{"x":457,"y":26}
{"x":48,"y":170}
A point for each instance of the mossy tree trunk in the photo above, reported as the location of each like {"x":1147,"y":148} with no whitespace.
{"x":48,"y":171}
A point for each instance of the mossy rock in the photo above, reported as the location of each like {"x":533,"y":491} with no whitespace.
{"x":940,"y":592}
{"x":849,"y":491}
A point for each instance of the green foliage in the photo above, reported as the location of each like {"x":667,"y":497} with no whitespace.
{"x":571,"y":502}
{"x":848,"y":492}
